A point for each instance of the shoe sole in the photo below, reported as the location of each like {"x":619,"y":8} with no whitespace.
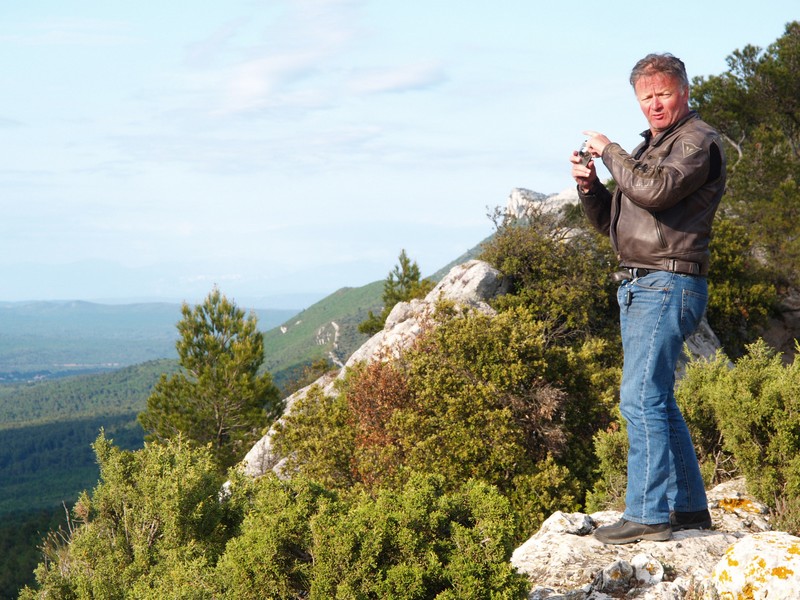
{"x":660,"y":536}
{"x":700,"y":526}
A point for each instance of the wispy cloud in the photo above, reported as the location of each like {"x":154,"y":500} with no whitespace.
{"x":400,"y":79}
{"x":265,"y":81}
{"x":204,"y":52}
{"x":70,"y":32}
{"x":9,"y":123}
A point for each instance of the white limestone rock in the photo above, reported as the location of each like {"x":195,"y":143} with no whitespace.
{"x":760,"y":566}
{"x":521,"y":200}
{"x":469,"y":285}
{"x":563,"y":560}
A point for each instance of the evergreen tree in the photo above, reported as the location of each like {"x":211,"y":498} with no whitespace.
{"x":755,"y":105}
{"x":219,"y":397}
{"x":403,"y":283}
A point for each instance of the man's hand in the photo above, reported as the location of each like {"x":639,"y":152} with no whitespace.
{"x":596,"y":142}
{"x":585,"y":176}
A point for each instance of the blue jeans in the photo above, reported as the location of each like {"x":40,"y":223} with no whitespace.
{"x":657,"y":313}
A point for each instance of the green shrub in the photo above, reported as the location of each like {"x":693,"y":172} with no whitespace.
{"x":611,"y":449}
{"x":559,"y":271}
{"x":272,"y":557}
{"x":478,"y":397}
{"x":756,"y":411}
{"x":418,"y":543}
{"x":694,"y":398}
{"x":155,"y":517}
{"x":741,"y":295}
{"x":318,"y":439}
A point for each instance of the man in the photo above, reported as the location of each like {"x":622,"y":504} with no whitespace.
{"x":659,"y":219}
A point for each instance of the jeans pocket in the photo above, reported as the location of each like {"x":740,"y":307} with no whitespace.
{"x":693,"y":305}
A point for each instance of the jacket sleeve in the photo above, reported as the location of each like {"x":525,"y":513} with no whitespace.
{"x":664,"y":176}
{"x":597,"y":206}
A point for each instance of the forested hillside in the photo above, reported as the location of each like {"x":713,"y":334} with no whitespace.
{"x":47,"y":428}
{"x":327,"y":330}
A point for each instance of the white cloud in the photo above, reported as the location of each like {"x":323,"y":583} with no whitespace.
{"x":259,"y":83}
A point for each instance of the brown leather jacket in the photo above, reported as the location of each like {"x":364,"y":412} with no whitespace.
{"x":660,"y":215}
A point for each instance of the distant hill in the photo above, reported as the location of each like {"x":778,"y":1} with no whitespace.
{"x":44,"y":340}
{"x":329,"y":328}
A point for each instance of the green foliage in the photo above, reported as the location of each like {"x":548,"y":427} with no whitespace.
{"x":155,"y":517}
{"x":489,"y":398}
{"x":42,"y":466}
{"x":219,"y":398}
{"x":317,"y":439}
{"x":757,"y":407}
{"x":417,"y":543}
{"x":756,"y":411}
{"x":156,"y":526}
{"x":694,"y":397}
{"x":20,"y":537}
{"x":118,"y":392}
{"x":403,"y":283}
{"x":275,"y":552}
{"x":611,"y":449}
{"x":741,"y":297}
{"x":755,"y":106}
{"x":561,"y":272}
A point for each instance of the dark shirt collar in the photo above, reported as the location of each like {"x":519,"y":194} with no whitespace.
{"x":653,"y":140}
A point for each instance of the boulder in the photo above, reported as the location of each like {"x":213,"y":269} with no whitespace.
{"x":564,"y":561}
{"x":762,"y":565}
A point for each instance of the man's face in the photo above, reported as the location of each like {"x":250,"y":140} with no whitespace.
{"x":663,"y":99}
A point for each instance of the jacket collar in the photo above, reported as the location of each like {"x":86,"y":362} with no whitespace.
{"x":655,"y":140}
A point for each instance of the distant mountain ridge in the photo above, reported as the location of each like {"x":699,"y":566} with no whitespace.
{"x":49,"y":339}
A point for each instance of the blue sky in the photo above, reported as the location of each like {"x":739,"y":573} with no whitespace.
{"x":285,"y":147}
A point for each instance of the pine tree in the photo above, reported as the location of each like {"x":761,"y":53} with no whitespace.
{"x":403,"y":283}
{"x":218,"y":397}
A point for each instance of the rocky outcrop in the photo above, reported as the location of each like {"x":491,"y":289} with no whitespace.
{"x":470,"y":285}
{"x":520,"y":200}
{"x":738,"y":558}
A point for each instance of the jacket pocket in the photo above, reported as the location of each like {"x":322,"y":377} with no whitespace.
{"x":661,"y":240}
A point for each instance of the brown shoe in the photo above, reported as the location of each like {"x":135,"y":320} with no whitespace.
{"x":627,"y":532}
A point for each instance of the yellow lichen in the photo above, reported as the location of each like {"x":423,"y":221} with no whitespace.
{"x":747,"y":592}
{"x":732,"y":504}
{"x":724,"y":576}
{"x":732,"y":562}
{"x":782,"y":572}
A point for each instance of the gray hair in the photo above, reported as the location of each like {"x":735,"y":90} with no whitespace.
{"x":660,"y":63}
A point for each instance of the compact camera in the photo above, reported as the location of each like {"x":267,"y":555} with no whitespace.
{"x":584,"y":154}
